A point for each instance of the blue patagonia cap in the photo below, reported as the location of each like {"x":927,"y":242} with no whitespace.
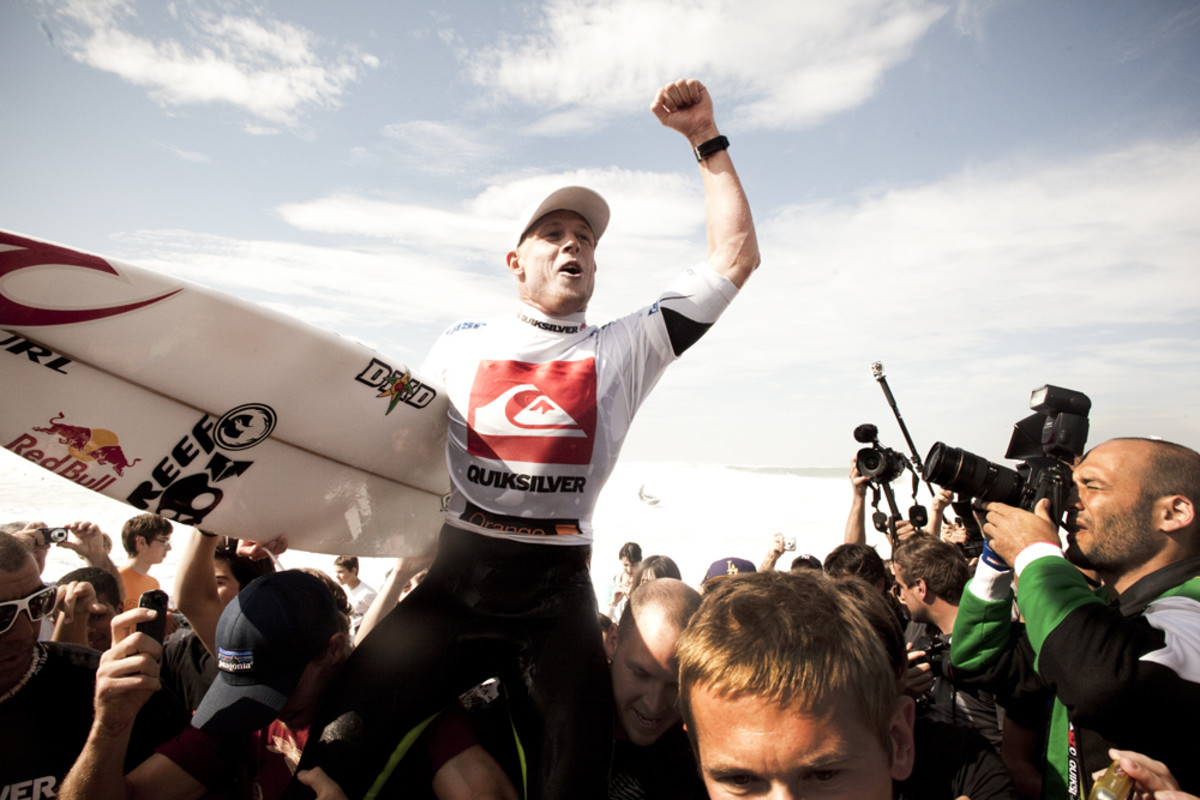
{"x":266,"y":637}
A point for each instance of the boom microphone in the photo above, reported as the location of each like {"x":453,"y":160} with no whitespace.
{"x":866,"y":433}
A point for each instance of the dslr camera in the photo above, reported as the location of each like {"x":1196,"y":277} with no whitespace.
{"x":1048,"y":442}
{"x":936,"y":649}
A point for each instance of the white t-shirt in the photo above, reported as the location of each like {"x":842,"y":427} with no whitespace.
{"x":360,"y":598}
{"x":540,"y":405}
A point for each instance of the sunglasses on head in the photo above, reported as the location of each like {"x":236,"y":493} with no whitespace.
{"x":36,"y":605}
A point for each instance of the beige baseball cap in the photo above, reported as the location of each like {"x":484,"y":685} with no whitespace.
{"x":583,"y":201}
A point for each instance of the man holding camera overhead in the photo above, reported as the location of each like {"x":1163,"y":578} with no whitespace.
{"x":1123,"y":661}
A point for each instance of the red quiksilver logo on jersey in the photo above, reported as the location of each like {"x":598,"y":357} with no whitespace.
{"x":535,"y":413}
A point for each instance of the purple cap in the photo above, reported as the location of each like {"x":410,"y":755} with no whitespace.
{"x":724,"y":567}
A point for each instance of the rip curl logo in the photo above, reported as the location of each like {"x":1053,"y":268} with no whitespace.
{"x":533,"y":413}
{"x":18,"y":253}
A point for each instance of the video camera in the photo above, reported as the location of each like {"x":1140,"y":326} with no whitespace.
{"x":1048,"y":443}
{"x":882,"y":465}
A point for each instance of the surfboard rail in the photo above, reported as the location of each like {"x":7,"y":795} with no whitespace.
{"x":189,"y":402}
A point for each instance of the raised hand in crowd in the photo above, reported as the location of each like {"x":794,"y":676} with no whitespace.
{"x":937,"y":511}
{"x":955,"y":533}
{"x":76,"y":601}
{"x":125,"y":680}
{"x":90,"y":545}
{"x":257,"y":551}
{"x":775,"y":549}
{"x":856,"y":523}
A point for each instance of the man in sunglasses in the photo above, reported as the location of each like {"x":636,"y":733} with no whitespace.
{"x":45,"y":687}
{"x":39,"y":747}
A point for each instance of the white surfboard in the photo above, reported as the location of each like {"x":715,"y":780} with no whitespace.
{"x":214,"y":412}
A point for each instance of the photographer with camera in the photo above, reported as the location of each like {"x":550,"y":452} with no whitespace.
{"x":1120,"y":660}
{"x":930,"y":576}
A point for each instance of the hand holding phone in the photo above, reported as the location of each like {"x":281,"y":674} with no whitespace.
{"x":157,"y":600}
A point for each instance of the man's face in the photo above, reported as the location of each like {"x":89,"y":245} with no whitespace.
{"x":318,"y":674}
{"x":1110,"y":523}
{"x":99,"y":627}
{"x":16,"y":644}
{"x":227,"y":584}
{"x":342,"y":575}
{"x":157,"y":546}
{"x":645,"y":678}
{"x":909,"y":596}
{"x":752,"y":747}
{"x":556,"y":264}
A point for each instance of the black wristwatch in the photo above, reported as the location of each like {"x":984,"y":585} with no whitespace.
{"x":706,"y":149}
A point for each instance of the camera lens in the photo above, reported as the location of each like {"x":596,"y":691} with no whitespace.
{"x":870,"y":462}
{"x":53,"y":535}
{"x":882,"y":465}
{"x":971,"y":475}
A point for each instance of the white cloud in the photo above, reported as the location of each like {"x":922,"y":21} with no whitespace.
{"x":585,"y":59}
{"x":193,"y":156}
{"x":438,"y":147}
{"x":975,"y":290}
{"x":1106,"y":238}
{"x":273,"y":70}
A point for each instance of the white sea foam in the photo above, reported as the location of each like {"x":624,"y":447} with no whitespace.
{"x":703,"y":513}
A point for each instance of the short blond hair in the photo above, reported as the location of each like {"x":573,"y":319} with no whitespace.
{"x":791,"y":638}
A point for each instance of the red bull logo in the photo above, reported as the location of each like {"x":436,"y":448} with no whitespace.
{"x":85,"y":447}
{"x":91,"y":445}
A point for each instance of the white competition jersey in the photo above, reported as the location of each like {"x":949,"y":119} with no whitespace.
{"x":540,"y":405}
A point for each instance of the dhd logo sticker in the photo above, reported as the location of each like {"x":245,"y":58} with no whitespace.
{"x":535,"y":413}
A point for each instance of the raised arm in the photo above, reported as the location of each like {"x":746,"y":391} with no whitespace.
{"x":196,"y":588}
{"x":89,"y":545}
{"x":127,"y":676}
{"x":389,"y":594}
{"x":856,"y":522}
{"x":685,"y":106}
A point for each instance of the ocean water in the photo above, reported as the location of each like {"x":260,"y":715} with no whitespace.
{"x":703,"y":513}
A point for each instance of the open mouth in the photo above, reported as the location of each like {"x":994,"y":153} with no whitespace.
{"x":646,"y":722}
{"x":571,"y":269}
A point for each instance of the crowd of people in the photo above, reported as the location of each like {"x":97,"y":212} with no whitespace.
{"x":912,"y":677}
{"x":485,"y":669}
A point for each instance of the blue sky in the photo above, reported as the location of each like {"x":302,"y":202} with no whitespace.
{"x":986,"y":196}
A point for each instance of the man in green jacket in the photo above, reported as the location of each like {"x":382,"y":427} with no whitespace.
{"x":1123,"y":661}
